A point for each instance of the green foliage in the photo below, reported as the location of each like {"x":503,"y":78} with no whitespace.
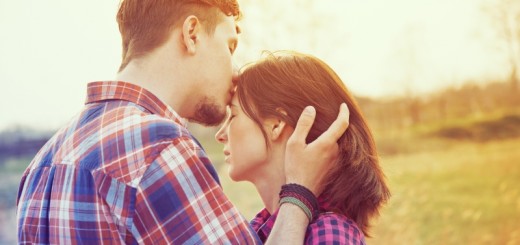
{"x":453,"y":105}
{"x":11,"y":171}
{"x":502,"y":128}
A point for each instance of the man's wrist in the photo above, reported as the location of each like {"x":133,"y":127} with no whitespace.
{"x":302,"y":197}
{"x":293,"y":211}
{"x":302,"y":182}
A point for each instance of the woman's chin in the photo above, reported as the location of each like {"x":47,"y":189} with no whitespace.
{"x":235,"y":176}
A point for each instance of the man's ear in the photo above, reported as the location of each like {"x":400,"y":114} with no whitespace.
{"x":190,"y":32}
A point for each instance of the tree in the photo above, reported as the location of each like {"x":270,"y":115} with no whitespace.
{"x":505,"y":17}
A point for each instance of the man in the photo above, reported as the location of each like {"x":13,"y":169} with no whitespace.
{"x":126,"y":169}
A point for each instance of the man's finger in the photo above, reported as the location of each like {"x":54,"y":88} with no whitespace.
{"x":338,"y":127}
{"x":304,"y":124}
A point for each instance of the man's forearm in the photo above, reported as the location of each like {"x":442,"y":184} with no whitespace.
{"x":290,"y":226}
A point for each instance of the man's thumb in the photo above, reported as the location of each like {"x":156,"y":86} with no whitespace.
{"x":304,"y":124}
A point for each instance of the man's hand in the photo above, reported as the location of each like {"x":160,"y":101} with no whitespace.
{"x":307,"y":164}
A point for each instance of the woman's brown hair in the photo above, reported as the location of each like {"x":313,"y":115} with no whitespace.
{"x":281,"y":85}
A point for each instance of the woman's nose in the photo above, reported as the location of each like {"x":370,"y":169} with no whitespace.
{"x":221,"y":136}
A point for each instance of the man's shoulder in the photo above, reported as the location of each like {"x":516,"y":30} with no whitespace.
{"x":133,"y":121}
{"x":104,"y":133}
{"x":157,"y":128}
{"x":131,"y":138}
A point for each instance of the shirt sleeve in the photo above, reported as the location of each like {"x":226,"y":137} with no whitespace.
{"x":179,"y":201}
{"x":334,"y":229}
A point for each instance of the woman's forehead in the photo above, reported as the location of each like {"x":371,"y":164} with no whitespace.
{"x":234,"y":100}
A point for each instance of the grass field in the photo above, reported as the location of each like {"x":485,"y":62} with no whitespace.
{"x":468,"y":193}
{"x":462,"y":193}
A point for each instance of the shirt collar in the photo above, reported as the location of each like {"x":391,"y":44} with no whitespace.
{"x":119,"y":90}
{"x":263,"y":222}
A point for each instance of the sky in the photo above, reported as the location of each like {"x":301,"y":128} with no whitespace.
{"x":50,"y":50}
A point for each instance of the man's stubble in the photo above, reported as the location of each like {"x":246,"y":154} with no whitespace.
{"x":208,"y":112}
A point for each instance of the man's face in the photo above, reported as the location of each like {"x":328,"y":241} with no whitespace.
{"x":216,"y":73}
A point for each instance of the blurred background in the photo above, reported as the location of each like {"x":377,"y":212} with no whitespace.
{"x":438,"y":81}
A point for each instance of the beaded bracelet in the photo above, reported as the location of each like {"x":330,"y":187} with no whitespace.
{"x":301,"y":197}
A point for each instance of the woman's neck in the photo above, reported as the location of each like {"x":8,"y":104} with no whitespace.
{"x":269,"y":191}
{"x":270,"y":184}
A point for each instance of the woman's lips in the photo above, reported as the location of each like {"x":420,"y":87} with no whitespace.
{"x":227,"y":157}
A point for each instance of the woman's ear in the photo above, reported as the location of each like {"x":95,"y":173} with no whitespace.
{"x":275,"y":128}
{"x":190,"y":32}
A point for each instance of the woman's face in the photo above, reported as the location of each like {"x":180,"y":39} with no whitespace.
{"x":244,"y":144}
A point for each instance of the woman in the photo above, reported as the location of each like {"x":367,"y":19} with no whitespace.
{"x":270,"y":96}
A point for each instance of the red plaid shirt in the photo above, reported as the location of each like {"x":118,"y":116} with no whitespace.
{"x":125,"y":170}
{"x":328,"y":228}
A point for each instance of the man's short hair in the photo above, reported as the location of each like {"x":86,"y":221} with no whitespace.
{"x":146,"y":24}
